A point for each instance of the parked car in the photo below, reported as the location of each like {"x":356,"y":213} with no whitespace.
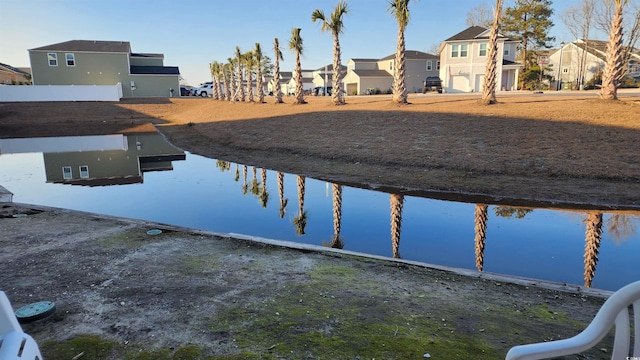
{"x":204,"y":90}
{"x":432,"y":83}
{"x":319,"y":91}
{"x":184,"y":91}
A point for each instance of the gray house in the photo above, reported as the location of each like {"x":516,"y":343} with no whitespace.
{"x":90,"y":62}
{"x":366,"y":75}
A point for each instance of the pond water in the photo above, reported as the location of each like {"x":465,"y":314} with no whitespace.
{"x":144,"y":177}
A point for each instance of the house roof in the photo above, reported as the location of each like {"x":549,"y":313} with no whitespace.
{"x":89,"y":46}
{"x":473,"y":33}
{"x":372,"y":73}
{"x":147,"y":55}
{"x":155,"y":70}
{"x":413,"y":55}
{"x":364,"y":60}
{"x":330,"y":68}
{"x":13,"y":69}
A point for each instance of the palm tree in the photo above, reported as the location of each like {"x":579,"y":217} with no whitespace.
{"x":335,"y":25}
{"x":481,"y":216}
{"x":277,"y":91}
{"x":337,"y":242}
{"x":400,"y":10}
{"x":489,"y":86}
{"x":295,"y":44}
{"x":397,"y":203}
{"x":250,"y":60}
{"x":264,"y":194}
{"x":255,"y":185}
{"x":614,"y":64}
{"x":240,"y":86}
{"x":237,"y":174}
{"x":245,"y":187}
{"x":283,"y":200}
{"x":592,"y":245}
{"x":257,"y":52}
{"x":300,"y":221}
{"x":218,"y":68}
{"x":233,"y":95}
{"x":214,"y":77}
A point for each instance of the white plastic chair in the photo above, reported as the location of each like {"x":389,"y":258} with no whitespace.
{"x":615,"y":311}
{"x":14,"y":343}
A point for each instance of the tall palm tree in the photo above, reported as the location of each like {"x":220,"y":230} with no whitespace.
{"x":283,"y":200}
{"x":489,"y":85}
{"x":481,"y":217}
{"x":219,"y":79}
{"x":295,"y":44}
{"x":233,"y":95}
{"x":396,"y":202}
{"x":593,"y":235}
{"x":250,"y":61}
{"x":300,"y":221}
{"x":240,"y":87}
{"x":335,"y":25}
{"x":277,"y":91}
{"x":400,"y":10}
{"x":213,"y":67}
{"x":337,"y":241}
{"x":257,"y":52}
{"x":614,"y":64}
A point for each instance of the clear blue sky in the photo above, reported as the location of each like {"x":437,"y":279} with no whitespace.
{"x":191,"y":34}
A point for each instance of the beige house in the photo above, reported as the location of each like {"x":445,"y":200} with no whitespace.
{"x":324,"y":76}
{"x":14,"y":76}
{"x":365,"y":76}
{"x":463,"y":61}
{"x":90,"y":62}
{"x":592,"y":54}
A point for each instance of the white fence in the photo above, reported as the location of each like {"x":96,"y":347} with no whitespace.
{"x":24,"y":93}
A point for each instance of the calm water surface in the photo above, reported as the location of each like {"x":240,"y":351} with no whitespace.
{"x":142,"y":177}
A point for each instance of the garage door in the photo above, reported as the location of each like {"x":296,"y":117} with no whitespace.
{"x":459,"y":83}
{"x":479,"y":83}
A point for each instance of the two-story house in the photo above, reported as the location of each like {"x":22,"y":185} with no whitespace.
{"x":463,"y":61}
{"x":365,"y":76}
{"x":582,"y":60}
{"x":90,"y":62}
{"x":324,"y":76}
{"x":307,"y":82}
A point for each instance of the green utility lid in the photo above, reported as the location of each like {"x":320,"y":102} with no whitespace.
{"x":154,"y":232}
{"x":35,"y":311}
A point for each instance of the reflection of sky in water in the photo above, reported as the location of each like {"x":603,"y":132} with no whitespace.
{"x":545,"y":244}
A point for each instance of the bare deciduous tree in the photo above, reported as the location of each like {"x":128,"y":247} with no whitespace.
{"x":578,"y":19}
{"x":480,"y":15}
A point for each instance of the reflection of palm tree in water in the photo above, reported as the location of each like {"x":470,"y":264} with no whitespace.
{"x":300,"y":221}
{"x":255,"y":188}
{"x":264,"y":194}
{"x":593,"y":236}
{"x":245,"y":187}
{"x":283,"y":201}
{"x":397,"y":203}
{"x":337,"y":242}
{"x":237,"y":175}
{"x":481,"y":216}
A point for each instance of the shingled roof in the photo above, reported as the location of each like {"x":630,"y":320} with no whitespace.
{"x":155,"y":70}
{"x":412,"y":55}
{"x":472,"y":33}
{"x":88,"y":46}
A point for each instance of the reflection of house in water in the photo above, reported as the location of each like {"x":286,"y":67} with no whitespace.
{"x":99,"y":160}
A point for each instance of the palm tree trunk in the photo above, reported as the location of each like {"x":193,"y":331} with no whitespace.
{"x":277,"y":91}
{"x":397,"y":203}
{"x":283,"y":201}
{"x":613,"y":67}
{"x":259,"y":84}
{"x":489,"y":86}
{"x":300,"y":221}
{"x":233,"y":95}
{"x":399,"y":85}
{"x":592,"y":246}
{"x":299,"y":89}
{"x":481,"y":216}
{"x":249,"y":85}
{"x":245,"y":186}
{"x":336,"y":94}
{"x":337,"y":242}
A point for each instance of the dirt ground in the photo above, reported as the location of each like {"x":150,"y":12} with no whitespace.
{"x":185,"y":294}
{"x":544,"y":148}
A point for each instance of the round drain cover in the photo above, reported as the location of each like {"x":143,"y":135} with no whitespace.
{"x":19,"y":215}
{"x":154,"y":232}
{"x":35,"y":311}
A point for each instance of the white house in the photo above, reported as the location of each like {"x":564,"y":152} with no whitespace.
{"x":463,"y":61}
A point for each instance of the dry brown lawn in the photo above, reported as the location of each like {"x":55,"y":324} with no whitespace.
{"x":551,"y":148}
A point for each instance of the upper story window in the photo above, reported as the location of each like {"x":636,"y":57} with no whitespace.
{"x":84,"y":171}
{"x":53,"y":59}
{"x":429,"y":65}
{"x":483,"y":50}
{"x":66,"y":173}
{"x":438,"y":65}
{"x":71,"y":59}
{"x":390,"y":65}
{"x":459,"y":50}
{"x":506,"y":51}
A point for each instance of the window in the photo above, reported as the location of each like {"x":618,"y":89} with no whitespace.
{"x":84,"y":171}
{"x":71,"y":59}
{"x":53,"y":59}
{"x":506,"y":51}
{"x":565,"y":70}
{"x":438,"y":65}
{"x":390,"y":65}
{"x":66,"y":173}
{"x":429,"y":65}
{"x":483,"y":50}
{"x":459,"y":50}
